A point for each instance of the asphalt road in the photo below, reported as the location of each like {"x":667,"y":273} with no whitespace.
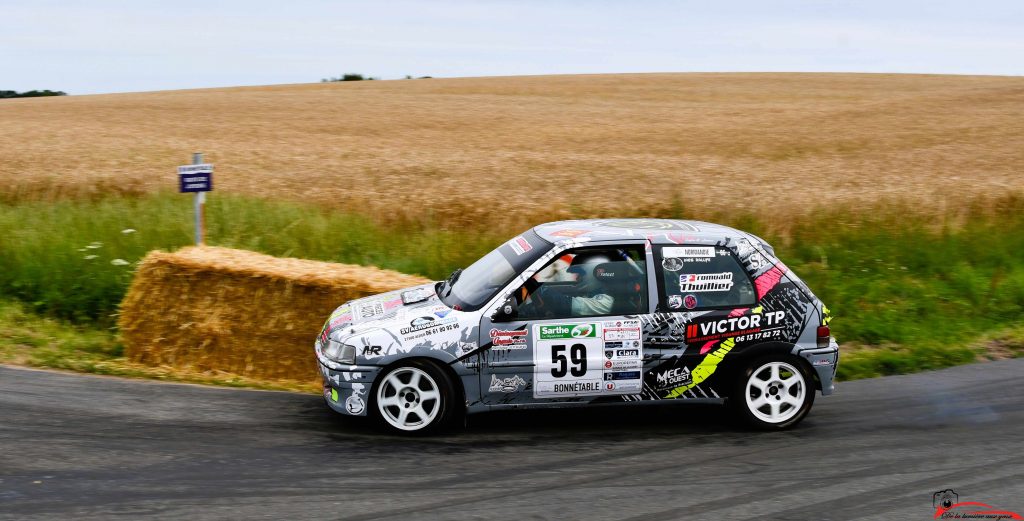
{"x":84,"y":447}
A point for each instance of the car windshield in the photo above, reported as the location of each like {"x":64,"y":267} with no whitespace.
{"x":470,"y":289}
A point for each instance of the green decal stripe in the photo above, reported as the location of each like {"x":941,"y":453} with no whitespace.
{"x":705,"y":368}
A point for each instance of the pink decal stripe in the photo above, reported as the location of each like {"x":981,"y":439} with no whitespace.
{"x":738,"y":312}
{"x":707,"y":347}
{"x":769,"y":280}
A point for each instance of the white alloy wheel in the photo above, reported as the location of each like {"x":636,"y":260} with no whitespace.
{"x":408,"y":399}
{"x":775,"y":392}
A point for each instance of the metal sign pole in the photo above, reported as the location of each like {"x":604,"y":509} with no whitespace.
{"x":200,"y":202}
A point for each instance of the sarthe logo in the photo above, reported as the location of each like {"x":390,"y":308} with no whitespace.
{"x":947,"y":505}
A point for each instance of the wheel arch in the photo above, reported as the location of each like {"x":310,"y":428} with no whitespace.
{"x":459,"y":388}
{"x":739,"y":360}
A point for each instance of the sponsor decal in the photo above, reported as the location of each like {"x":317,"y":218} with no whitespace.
{"x":621,"y":333}
{"x":626,"y":375}
{"x":431,"y":331}
{"x":560,"y":331}
{"x":674,"y":377}
{"x":947,"y":505}
{"x":371,"y":351}
{"x":514,"y":339}
{"x":627,"y":352}
{"x":511,"y":384}
{"x":568,"y":233}
{"x":520,"y":245}
{"x":675,"y":301}
{"x":757,"y":261}
{"x":576,"y":387}
{"x":705,"y":368}
{"x":728,"y":327}
{"x":672,"y":264}
{"x":822,"y":361}
{"x":442,"y":313}
{"x":610,"y":386}
{"x":421,"y":323}
{"x":371,"y":310}
{"x":688,"y":251}
{"x":354,"y":404}
{"x":609,"y":354}
{"x":705,"y":282}
{"x":622,"y":364}
{"x":690,"y":301}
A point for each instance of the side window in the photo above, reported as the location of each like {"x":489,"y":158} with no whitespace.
{"x":701,"y":277}
{"x":587,"y":282}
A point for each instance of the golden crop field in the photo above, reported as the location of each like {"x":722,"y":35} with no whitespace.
{"x":513,"y":147}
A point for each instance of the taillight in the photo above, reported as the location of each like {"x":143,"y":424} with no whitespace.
{"x":824,"y":336}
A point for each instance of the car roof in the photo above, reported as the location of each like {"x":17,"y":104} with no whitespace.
{"x":658,"y":231}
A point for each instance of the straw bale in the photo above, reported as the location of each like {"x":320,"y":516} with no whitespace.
{"x":219,"y":309}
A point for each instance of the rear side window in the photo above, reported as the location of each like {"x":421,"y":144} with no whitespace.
{"x":701,"y":277}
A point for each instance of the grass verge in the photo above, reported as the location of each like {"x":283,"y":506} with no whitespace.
{"x":30,"y":340}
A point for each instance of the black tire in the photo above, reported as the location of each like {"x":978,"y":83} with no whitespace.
{"x":402,"y":399}
{"x":775,"y":378}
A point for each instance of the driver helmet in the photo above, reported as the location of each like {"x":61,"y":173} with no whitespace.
{"x":583,"y":268}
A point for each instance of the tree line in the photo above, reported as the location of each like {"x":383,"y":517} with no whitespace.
{"x":31,"y":93}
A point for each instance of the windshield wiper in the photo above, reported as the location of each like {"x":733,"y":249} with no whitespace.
{"x":450,"y":282}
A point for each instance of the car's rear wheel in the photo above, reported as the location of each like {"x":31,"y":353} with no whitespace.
{"x":775,"y":392}
{"x":415,"y":398}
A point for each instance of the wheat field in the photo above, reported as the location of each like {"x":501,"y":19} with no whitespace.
{"x":511,"y":148}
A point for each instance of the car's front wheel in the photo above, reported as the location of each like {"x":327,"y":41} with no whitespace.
{"x":774,"y":393}
{"x":417,"y":397}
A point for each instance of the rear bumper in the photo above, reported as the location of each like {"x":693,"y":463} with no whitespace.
{"x":825,"y":361}
{"x":347,"y":391}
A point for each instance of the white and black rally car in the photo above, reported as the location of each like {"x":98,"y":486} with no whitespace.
{"x":589,"y":312}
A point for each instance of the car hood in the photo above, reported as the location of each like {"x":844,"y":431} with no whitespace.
{"x":376,"y":310}
{"x":383,"y":325}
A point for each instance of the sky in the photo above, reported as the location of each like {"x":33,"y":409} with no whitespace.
{"x":101,"y":46}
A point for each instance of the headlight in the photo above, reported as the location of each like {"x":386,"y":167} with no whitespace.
{"x":338,"y":352}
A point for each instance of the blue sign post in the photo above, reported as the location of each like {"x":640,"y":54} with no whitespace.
{"x":197,"y":178}
{"x":200,"y":181}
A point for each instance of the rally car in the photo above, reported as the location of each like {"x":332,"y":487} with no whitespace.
{"x":586,"y":313}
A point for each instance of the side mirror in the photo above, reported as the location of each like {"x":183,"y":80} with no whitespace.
{"x":507,"y":311}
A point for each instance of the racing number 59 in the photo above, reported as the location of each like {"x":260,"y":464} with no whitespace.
{"x":577,"y":355}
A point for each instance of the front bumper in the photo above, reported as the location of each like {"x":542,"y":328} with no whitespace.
{"x":347,"y":389}
{"x":825,"y":362}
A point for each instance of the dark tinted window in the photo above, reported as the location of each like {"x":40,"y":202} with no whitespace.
{"x":701,"y":277}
